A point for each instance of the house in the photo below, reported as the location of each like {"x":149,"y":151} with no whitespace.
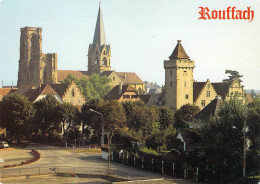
{"x":69,"y":93}
{"x":187,"y":139}
{"x":6,"y":91}
{"x":152,"y":88}
{"x":128,"y":93}
{"x":211,"y":110}
{"x":122,"y":93}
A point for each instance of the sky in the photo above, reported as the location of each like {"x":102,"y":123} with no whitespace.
{"x":142,"y":34}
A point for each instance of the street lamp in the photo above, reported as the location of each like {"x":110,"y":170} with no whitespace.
{"x":102,"y":138}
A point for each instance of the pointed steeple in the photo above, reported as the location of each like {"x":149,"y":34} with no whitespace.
{"x":99,"y":36}
{"x":179,"y":52}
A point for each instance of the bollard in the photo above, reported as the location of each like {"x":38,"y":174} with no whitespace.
{"x":73,"y":147}
{"x":89,"y":147}
{"x":152,"y":164}
{"x":95,"y":147}
{"x":173,"y":169}
{"x":143,"y":163}
{"x":66,"y":145}
{"x":197,"y":174}
{"x":162,"y":167}
{"x":185,"y":173}
{"x":126,"y":158}
{"x":134,"y":160}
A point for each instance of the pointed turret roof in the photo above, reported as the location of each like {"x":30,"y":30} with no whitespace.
{"x":179,"y":52}
{"x":99,"y":36}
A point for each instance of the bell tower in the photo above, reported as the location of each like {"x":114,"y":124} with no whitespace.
{"x":99,"y":53}
{"x":178,"y":78}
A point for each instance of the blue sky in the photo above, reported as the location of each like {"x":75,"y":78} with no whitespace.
{"x":142,"y":34}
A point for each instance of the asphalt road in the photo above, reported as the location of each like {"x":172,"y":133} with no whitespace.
{"x":57,"y":157}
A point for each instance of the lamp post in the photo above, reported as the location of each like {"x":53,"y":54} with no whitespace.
{"x":102,"y":137}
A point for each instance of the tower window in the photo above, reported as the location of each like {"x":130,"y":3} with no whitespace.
{"x":203,"y":103}
{"x":208,"y":94}
{"x":44,"y":77}
{"x":186,"y":96}
{"x":104,"y":52}
{"x":104,"y":61}
{"x":171,"y":73}
{"x":114,"y":78}
{"x":73,"y":93}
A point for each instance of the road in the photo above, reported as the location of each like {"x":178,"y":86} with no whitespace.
{"x":57,"y":157}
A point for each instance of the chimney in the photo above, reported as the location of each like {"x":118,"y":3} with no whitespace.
{"x":120,"y":88}
{"x":125,"y":76}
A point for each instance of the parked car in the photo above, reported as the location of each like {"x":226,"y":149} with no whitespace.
{"x":3,"y":144}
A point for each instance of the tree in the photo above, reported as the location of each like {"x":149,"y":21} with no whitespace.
{"x":115,"y":119}
{"x":69,"y":117}
{"x":165,"y":118}
{"x":185,"y":113}
{"x":146,"y":120}
{"x":94,"y":87}
{"x":101,"y":84}
{"x":85,"y":86}
{"x":91,"y":119}
{"x":15,"y":115}
{"x":222,"y":141}
{"x":233,"y":75}
{"x":46,"y":117}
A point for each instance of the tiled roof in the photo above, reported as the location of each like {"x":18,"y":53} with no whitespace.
{"x":212,"y":109}
{"x":6,"y":91}
{"x":197,"y":87}
{"x":221,"y":88}
{"x":60,"y":88}
{"x":44,"y":89}
{"x":179,"y":52}
{"x":114,"y":93}
{"x":145,"y":98}
{"x":129,"y":78}
{"x":62,"y":74}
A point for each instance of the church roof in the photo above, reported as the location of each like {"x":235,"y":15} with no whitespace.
{"x":62,"y":74}
{"x":179,"y":52}
{"x":99,"y":36}
{"x":212,"y":109}
{"x":129,"y":78}
{"x":197,"y":87}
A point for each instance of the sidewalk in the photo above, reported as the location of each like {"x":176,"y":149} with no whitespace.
{"x":14,"y":155}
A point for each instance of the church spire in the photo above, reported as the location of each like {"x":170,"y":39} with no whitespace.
{"x":99,"y":36}
{"x":179,"y":52}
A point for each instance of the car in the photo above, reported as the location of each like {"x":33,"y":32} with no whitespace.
{"x":3,"y":144}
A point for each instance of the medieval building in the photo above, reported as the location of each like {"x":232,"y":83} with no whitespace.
{"x":181,"y":88}
{"x":35,"y":67}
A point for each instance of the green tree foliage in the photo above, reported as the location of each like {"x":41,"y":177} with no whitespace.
{"x":185,"y":113}
{"x":46,"y":116}
{"x":222,"y":141}
{"x":100,"y":84}
{"x":114,"y":115}
{"x":91,"y":119}
{"x":129,"y":107}
{"x":94,"y":87}
{"x":85,"y":86}
{"x":15,"y":115}
{"x":166,"y":118}
{"x":69,"y":117}
{"x":233,"y":75}
{"x":145,"y":119}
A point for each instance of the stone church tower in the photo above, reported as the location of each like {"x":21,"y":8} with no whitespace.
{"x":35,"y":67}
{"x":99,"y":53}
{"x":178,"y":78}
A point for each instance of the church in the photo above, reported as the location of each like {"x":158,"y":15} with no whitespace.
{"x":37,"y":68}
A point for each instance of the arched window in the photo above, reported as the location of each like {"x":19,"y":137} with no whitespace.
{"x":104,"y":61}
{"x":33,"y":44}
